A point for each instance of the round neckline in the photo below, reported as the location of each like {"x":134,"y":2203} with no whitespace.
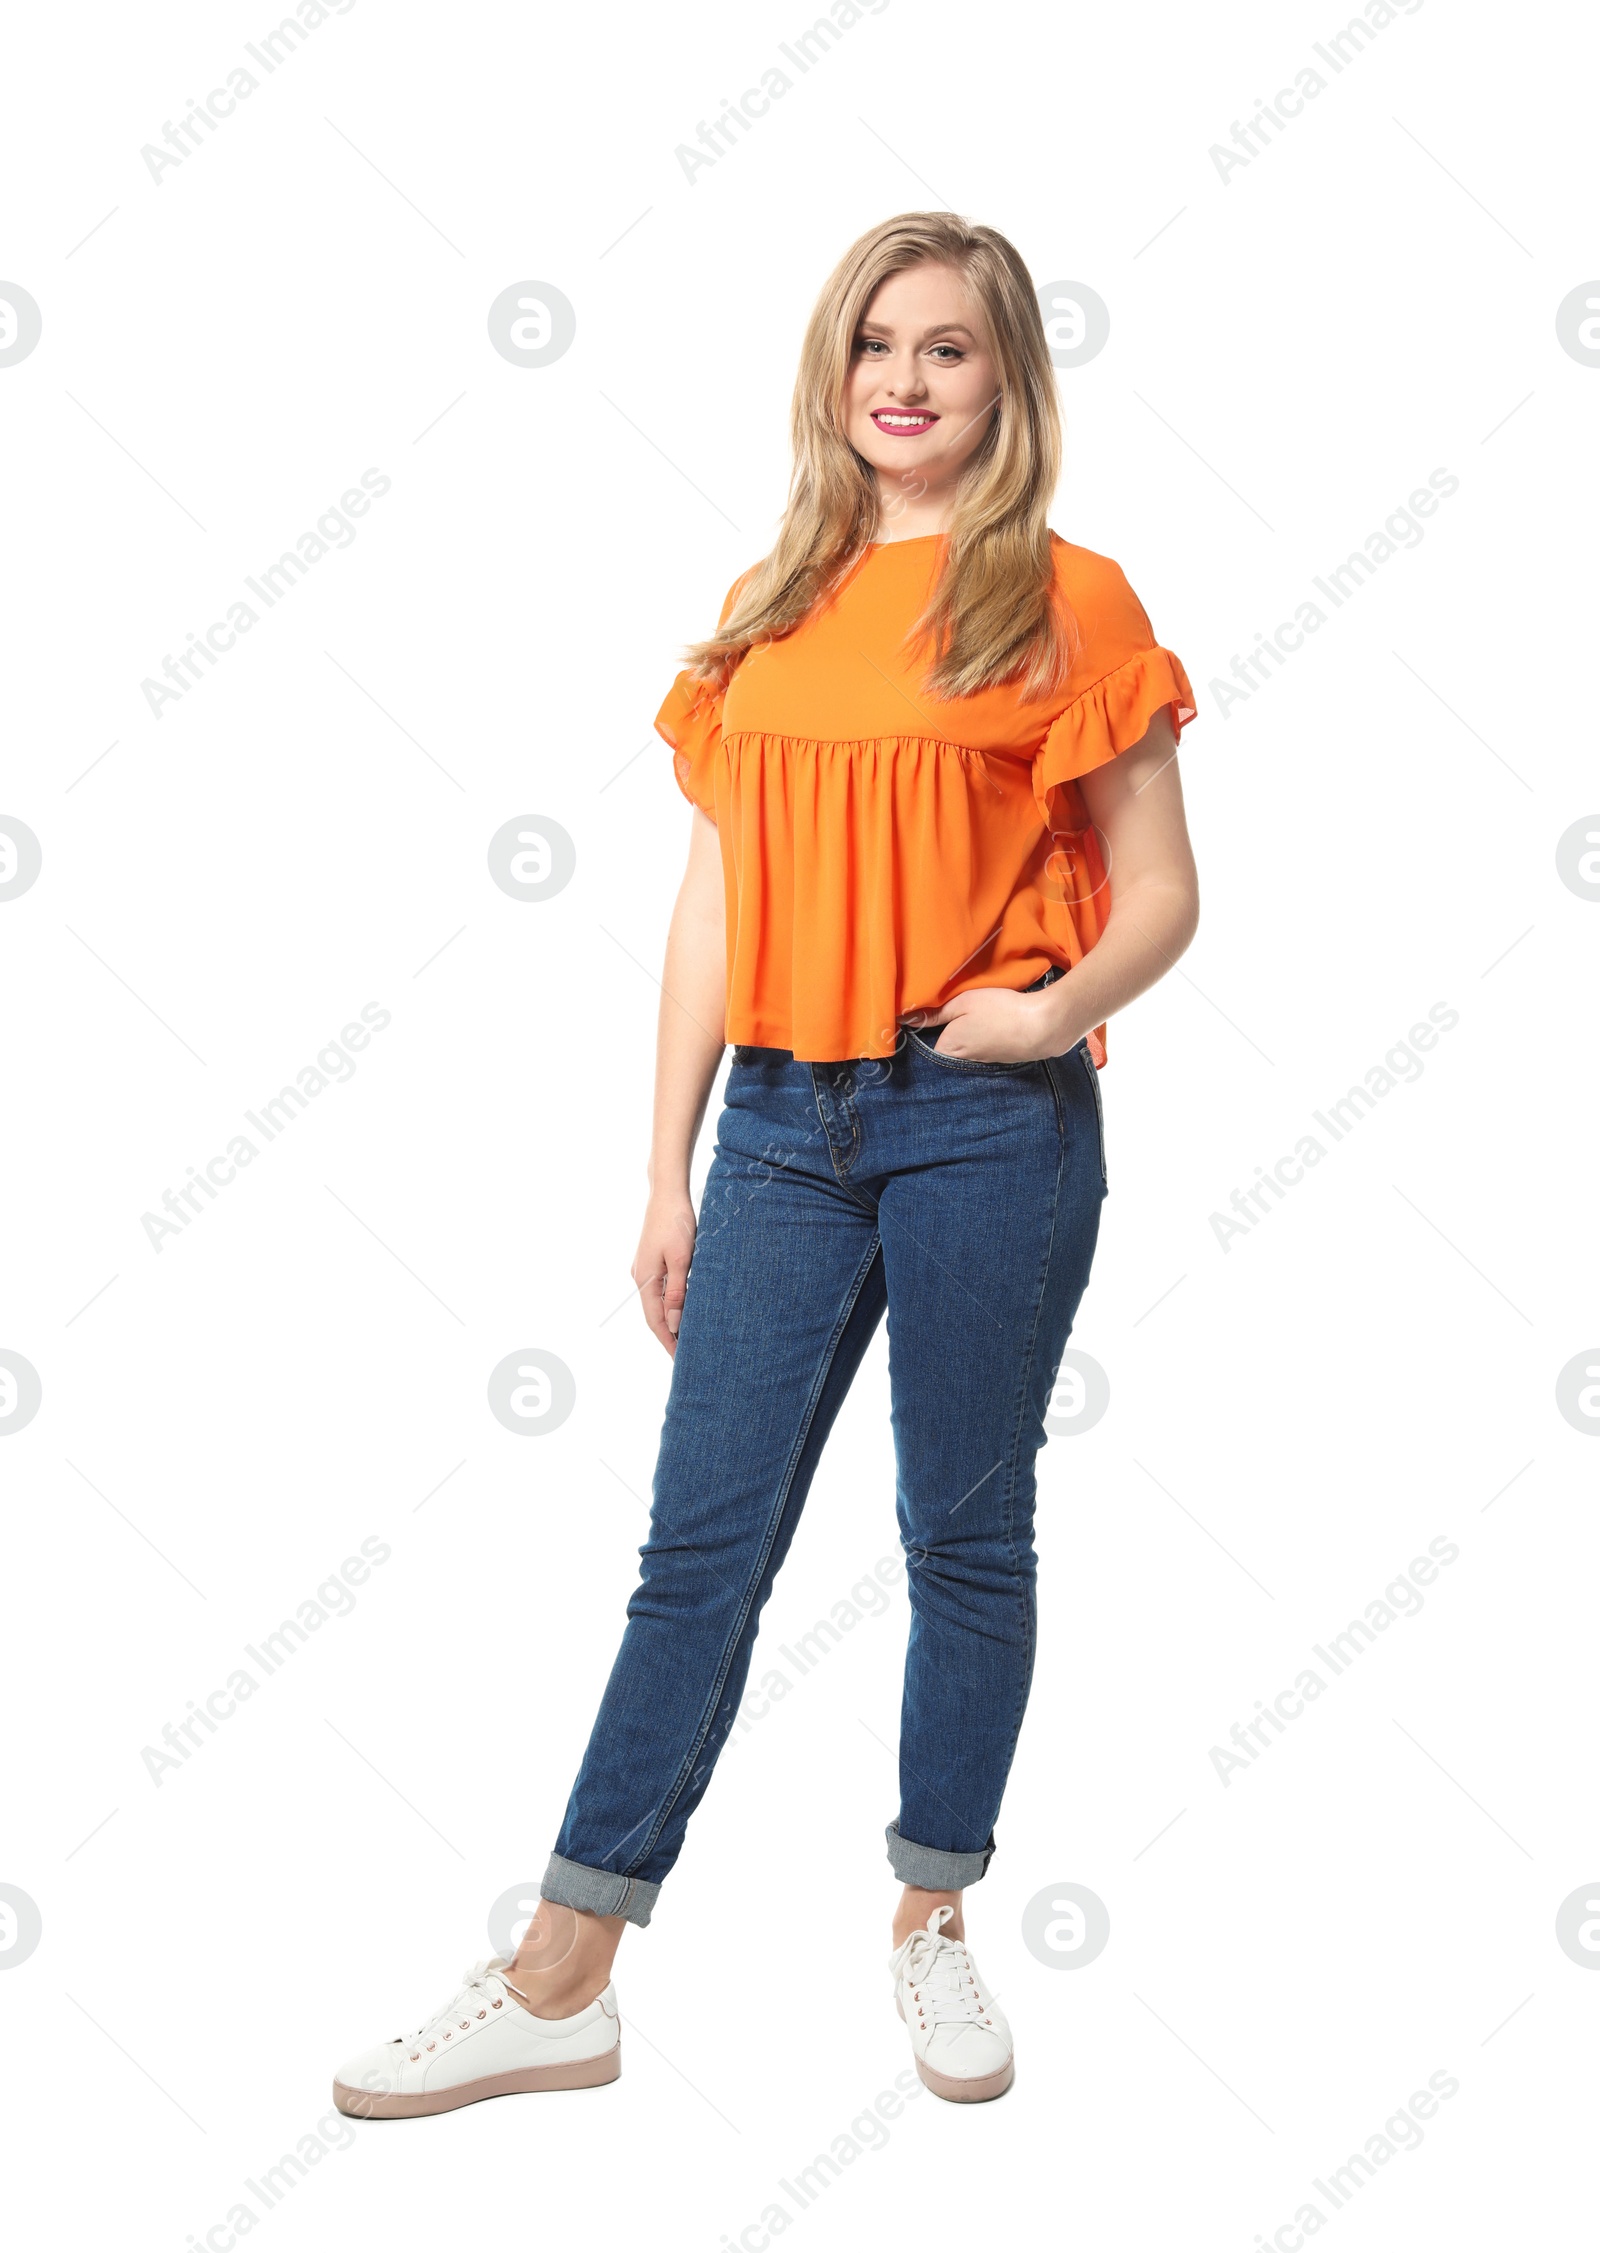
{"x":914,"y":541}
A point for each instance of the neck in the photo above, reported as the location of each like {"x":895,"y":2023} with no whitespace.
{"x":904,"y":516}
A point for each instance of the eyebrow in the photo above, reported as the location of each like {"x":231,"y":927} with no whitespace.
{"x":940,"y":328}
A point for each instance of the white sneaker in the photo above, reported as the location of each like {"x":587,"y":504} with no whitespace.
{"x":959,"y":2037}
{"x":485,"y":2042}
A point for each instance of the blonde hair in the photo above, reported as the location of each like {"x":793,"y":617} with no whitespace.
{"x":992,"y":614}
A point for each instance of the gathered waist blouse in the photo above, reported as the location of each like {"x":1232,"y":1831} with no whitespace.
{"x":884,"y":849}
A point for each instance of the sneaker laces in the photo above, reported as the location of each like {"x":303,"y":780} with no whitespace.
{"x":482,"y":1989}
{"x":941,"y":1975}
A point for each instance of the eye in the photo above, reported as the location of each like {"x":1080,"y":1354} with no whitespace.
{"x":954,"y":351}
{"x":870,"y":344}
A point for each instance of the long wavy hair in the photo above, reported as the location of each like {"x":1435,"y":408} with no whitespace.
{"x":992,"y":614}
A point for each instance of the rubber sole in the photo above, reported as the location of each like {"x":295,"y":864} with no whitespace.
{"x":979,"y":2089}
{"x":580,"y":2073}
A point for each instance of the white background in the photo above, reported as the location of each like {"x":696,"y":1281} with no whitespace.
{"x":1372,"y":1366}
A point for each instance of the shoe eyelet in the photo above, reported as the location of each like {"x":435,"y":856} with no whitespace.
{"x":481,"y":2014}
{"x":427,"y":2045}
{"x":495,"y":2005}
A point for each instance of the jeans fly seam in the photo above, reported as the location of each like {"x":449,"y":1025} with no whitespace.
{"x":839,"y":1172}
{"x":736,"y":1634}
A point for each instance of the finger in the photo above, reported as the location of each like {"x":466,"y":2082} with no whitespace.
{"x":651,"y":1303}
{"x":673,"y":1296}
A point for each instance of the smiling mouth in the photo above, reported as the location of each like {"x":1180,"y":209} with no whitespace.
{"x":902,"y":425}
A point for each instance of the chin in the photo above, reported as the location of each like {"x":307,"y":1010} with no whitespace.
{"x":889,"y":454}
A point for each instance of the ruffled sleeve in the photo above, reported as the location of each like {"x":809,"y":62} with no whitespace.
{"x":690,"y":720}
{"x":1120,"y":679}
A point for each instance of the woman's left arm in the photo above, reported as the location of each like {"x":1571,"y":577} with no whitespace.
{"x":1136,"y":803}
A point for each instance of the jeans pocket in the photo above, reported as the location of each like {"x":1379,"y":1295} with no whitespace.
{"x":936,"y":1055}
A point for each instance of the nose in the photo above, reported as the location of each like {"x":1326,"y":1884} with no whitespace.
{"x":909,"y":384}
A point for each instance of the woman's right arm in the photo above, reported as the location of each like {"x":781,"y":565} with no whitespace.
{"x":689,"y":1045}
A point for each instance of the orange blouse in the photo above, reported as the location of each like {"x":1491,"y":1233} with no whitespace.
{"x":883,"y":850}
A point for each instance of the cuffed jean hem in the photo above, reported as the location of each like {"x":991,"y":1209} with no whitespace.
{"x":931,"y":1867}
{"x":578,"y":1887}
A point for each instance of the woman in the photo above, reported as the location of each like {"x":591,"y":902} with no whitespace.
{"x":938,"y":838}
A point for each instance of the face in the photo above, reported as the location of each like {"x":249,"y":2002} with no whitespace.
{"x":922,"y":387}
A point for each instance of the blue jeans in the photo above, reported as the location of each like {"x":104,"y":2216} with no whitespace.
{"x":965,"y":1199}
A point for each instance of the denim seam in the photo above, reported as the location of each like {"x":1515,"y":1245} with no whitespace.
{"x":1099,"y":1112}
{"x":1026,"y":1365}
{"x":1030,"y":1637}
{"x":686,"y":1770}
